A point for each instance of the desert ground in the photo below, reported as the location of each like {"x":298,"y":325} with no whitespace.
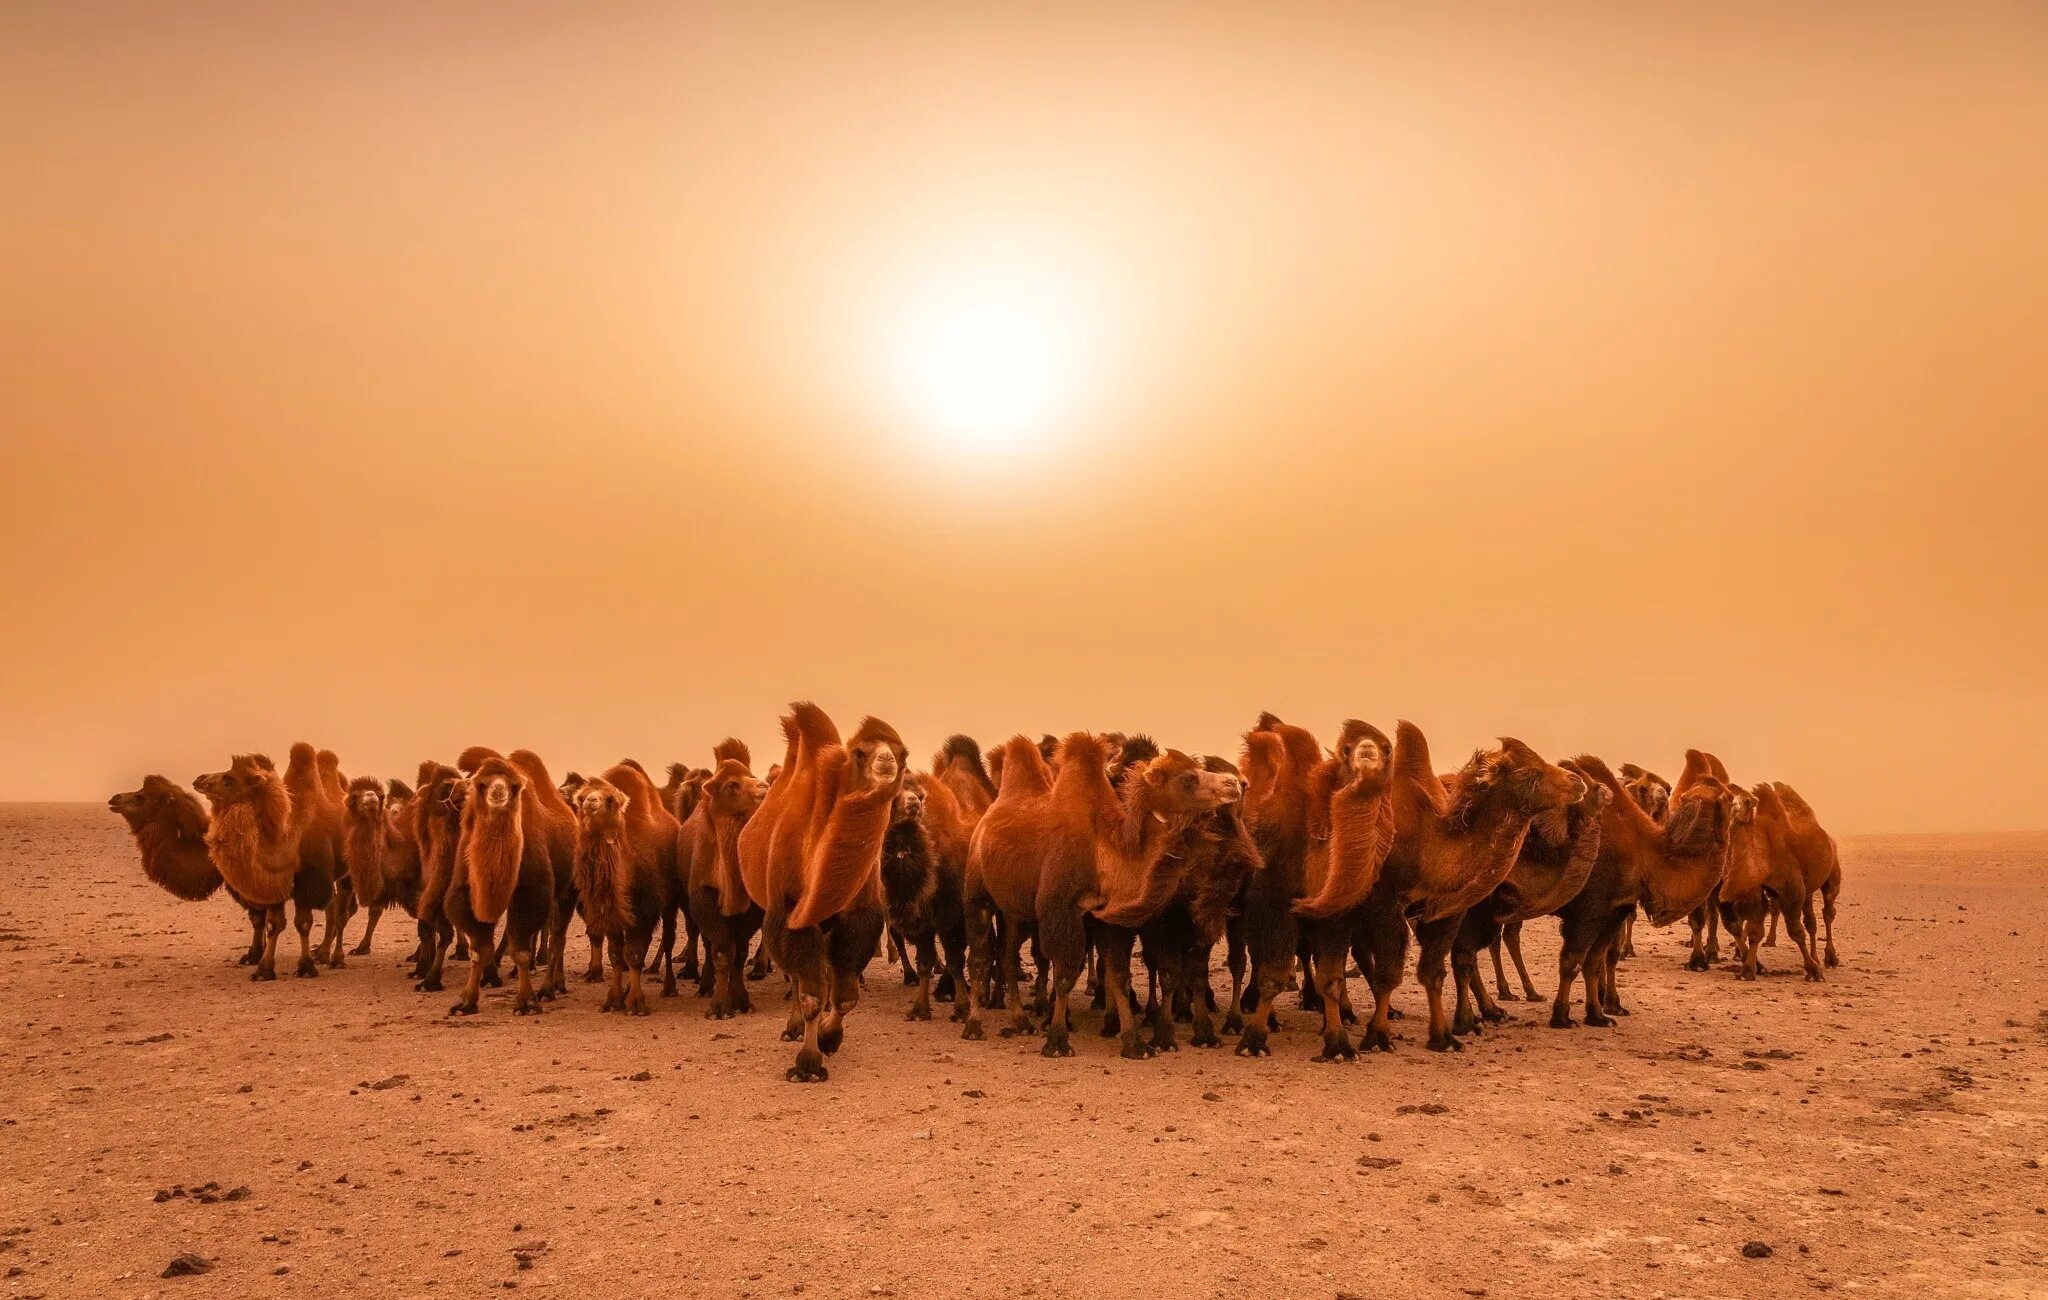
{"x":1880,"y":1133}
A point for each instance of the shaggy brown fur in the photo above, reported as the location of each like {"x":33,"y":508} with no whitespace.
{"x":625,"y":873}
{"x":1055,"y":851}
{"x":436,"y":814}
{"x":924,"y":870}
{"x":1800,"y":860}
{"x":514,"y":859}
{"x":1452,"y":847}
{"x":170,"y":827}
{"x":1350,"y":832}
{"x":267,"y":839}
{"x":1667,"y":868}
{"x":383,"y":857}
{"x":1215,"y":857}
{"x":708,"y":857}
{"x":1279,"y":763}
{"x":1555,"y":861}
{"x":811,"y":859}
{"x":958,"y":766}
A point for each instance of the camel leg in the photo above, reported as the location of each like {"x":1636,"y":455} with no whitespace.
{"x":722,"y":963}
{"x":1698,"y":959}
{"x":594,"y":973}
{"x":1194,"y":975}
{"x":927,"y":969}
{"x":1234,"y":957}
{"x":340,"y":906}
{"x":1113,"y":949}
{"x":1007,"y":949}
{"x":1790,"y":910}
{"x":1828,"y":894}
{"x":981,"y":936}
{"x":1500,"y":972}
{"x":302,"y":921}
{"x":635,"y":947}
{"x":1384,"y":944}
{"x":1433,"y":939}
{"x":472,"y":987}
{"x":1714,"y":926}
{"x":272,"y":919}
{"x":1610,"y":988}
{"x":524,"y":1002}
{"x":806,"y":1008}
{"x":615,"y":995}
{"x":362,"y":947}
{"x":1771,"y":935}
{"x":896,"y":940}
{"x":1326,"y":969}
{"x":254,"y":953}
{"x":1511,"y":936}
{"x":557,"y":983}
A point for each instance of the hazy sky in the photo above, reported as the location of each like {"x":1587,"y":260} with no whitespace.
{"x":407,"y":376}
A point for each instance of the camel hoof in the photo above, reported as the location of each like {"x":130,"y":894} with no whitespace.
{"x":527,"y":1009}
{"x":462,"y":1009}
{"x":360,"y":950}
{"x":806,"y":1072}
{"x":1698,"y":961}
{"x":971,"y":1032}
{"x":829,"y":1039}
{"x":1495,"y":1014}
{"x":1253,"y":1044}
{"x":1377,"y":1040}
{"x":641,"y":1010}
{"x":918,"y":1013}
{"x":1813,"y":975}
{"x":1447,"y":1043}
{"x":593,"y":977}
{"x":1137,"y":1052}
{"x":1056,"y":1045}
{"x":1233,"y":1023}
{"x":1204,"y":1039}
{"x":1505,"y":996}
{"x":1336,"y":1049}
{"x":260,"y":975}
{"x":1465,"y":1026}
{"x":307,"y":970}
{"x":1598,"y":1020}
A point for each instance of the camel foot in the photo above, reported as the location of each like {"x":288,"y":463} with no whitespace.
{"x":462,"y":1009}
{"x":1336,"y":1047}
{"x":1376,"y":1039}
{"x":1134,"y":1050}
{"x":1444,"y":1043}
{"x":1056,"y":1044}
{"x":918,"y":1012}
{"x":971,"y":1030}
{"x":1562,"y":1020}
{"x":1698,"y":961}
{"x":809,"y":1068}
{"x":308,"y":969}
{"x":1253,"y":1043}
{"x":262,"y":973}
{"x":529,"y":1008}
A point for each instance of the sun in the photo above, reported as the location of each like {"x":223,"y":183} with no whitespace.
{"x":988,"y":355}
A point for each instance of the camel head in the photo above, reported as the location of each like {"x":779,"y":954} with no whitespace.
{"x":366,"y":799}
{"x":1516,"y":775}
{"x":599,"y":804}
{"x":1175,"y":785}
{"x":734,"y":792}
{"x":909,"y":805}
{"x":494,"y":787}
{"x":875,"y":756}
{"x":157,"y":799}
{"x":570,"y":785}
{"x":247,"y":774}
{"x":1741,"y":806}
{"x":1126,"y":753}
{"x":1651,"y":792}
{"x":1363,"y":750}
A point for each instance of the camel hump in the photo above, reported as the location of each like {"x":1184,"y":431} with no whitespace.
{"x":473,"y":758}
{"x":1595,"y":767}
{"x":965,"y":751}
{"x":729,"y":748}
{"x":1024,"y":768}
{"x":813,"y":726}
{"x":1792,"y":798}
{"x":1411,"y":753}
{"x":1697,"y":769}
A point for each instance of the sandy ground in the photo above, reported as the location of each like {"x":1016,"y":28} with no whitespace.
{"x":1881,"y":1132}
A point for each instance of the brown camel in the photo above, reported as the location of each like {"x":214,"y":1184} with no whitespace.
{"x":625,"y":873}
{"x":268,"y":840}
{"x":1452,"y":847}
{"x":811,"y":860}
{"x":1216,"y":859}
{"x":1666,"y":868}
{"x":1056,"y":851}
{"x":514,"y":860}
{"x":716,"y":896}
{"x":924,"y":869}
{"x":382,"y":854}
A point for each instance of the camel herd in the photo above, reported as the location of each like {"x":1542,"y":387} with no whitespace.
{"x":1300,"y":859}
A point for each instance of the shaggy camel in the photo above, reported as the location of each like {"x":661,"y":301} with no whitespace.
{"x":716,"y":897}
{"x":382,"y":854}
{"x":1451,"y":848}
{"x":1667,"y":868}
{"x":1058,"y":851}
{"x":514,"y":860}
{"x":1797,"y":860}
{"x":1279,"y":761}
{"x":1554,"y":864}
{"x":625,"y":873}
{"x":811,"y":860}
{"x":271,"y":841}
{"x":436,"y":829}
{"x":924,"y":871}
{"x":1216,"y":858}
{"x":170,"y":824}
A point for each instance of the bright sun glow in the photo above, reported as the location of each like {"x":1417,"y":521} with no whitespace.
{"x":990,"y":357}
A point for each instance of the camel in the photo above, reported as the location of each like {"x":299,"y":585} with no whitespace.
{"x":924,"y":870}
{"x":1795,"y":859}
{"x":625,"y":873}
{"x":1653,"y":794}
{"x":1667,"y":868}
{"x":514,"y":860}
{"x":271,"y":841}
{"x":707,"y":858}
{"x":810,"y":858}
{"x":382,"y":854}
{"x":1279,"y":762}
{"x":1055,"y":852}
{"x":170,"y":825}
{"x":436,"y":813}
{"x":1452,"y":847}
{"x":1554,"y":863}
{"x":1216,"y":858}
{"x":558,"y":832}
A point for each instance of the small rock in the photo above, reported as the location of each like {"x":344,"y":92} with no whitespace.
{"x":1426,"y":1108}
{"x":186,"y":1265}
{"x":922,"y":1135}
{"x":1755,"y":1250}
{"x":1378,"y":1162}
{"x":381,"y":1084}
{"x":1212,"y":1096}
{"x":976,"y":1093}
{"x":642,"y":1077}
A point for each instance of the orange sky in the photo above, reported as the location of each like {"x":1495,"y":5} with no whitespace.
{"x":403,"y":377}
